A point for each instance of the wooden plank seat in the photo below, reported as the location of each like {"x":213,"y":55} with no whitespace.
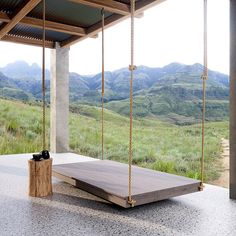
{"x":109,"y":180}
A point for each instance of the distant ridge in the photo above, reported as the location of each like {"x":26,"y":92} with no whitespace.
{"x":22,"y":70}
{"x":172,"y":92}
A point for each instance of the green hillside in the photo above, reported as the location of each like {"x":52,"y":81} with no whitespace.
{"x":172,"y":93}
{"x":176,"y":96}
{"x":157,"y":145}
{"x":172,"y":108}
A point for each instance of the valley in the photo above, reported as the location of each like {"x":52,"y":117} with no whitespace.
{"x":172,"y":93}
{"x":157,"y":145}
{"x":167,"y":114}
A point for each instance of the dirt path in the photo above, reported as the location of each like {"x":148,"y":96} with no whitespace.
{"x":223,"y":181}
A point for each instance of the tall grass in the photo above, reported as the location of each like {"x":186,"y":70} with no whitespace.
{"x":156,"y":145}
{"x":20,"y":128}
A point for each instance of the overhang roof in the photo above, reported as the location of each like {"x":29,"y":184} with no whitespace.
{"x":67,"y":21}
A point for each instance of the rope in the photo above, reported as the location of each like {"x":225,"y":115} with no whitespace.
{"x":204,"y":78}
{"x":132,"y":67}
{"x":103,"y":81}
{"x":43,"y":78}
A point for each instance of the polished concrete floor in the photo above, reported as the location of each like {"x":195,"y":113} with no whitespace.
{"x":73,"y":212}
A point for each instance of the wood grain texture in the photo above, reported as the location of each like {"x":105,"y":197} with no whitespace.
{"x":50,"y":25}
{"x":21,"y":14}
{"x":108,"y":5}
{"x":110,"y":21}
{"x":109,"y":180}
{"x":121,"y":11}
{"x":27,"y":41}
{"x":40,"y":178}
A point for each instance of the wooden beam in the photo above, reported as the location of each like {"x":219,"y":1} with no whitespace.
{"x":27,"y":41}
{"x":140,"y":15}
{"x":143,"y":5}
{"x":110,"y":21}
{"x":108,"y":5}
{"x":54,"y":26}
{"x":50,"y":25}
{"x":95,"y":29}
{"x":21,"y":14}
{"x":94,"y":36}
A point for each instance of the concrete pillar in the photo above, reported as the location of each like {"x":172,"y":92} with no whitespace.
{"x":232,"y":99}
{"x":59,"y":123}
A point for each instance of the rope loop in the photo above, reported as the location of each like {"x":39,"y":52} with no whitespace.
{"x":131,"y":202}
{"x":204,"y":77}
{"x":102,"y":12}
{"x":132,"y":67}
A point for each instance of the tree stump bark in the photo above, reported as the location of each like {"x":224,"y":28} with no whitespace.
{"x":40,"y":178}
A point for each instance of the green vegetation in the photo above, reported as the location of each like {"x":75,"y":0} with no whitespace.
{"x":172,"y":93}
{"x":15,"y":94}
{"x":157,"y":145}
{"x":20,"y":127}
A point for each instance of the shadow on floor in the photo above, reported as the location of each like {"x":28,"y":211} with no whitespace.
{"x":169,"y":213}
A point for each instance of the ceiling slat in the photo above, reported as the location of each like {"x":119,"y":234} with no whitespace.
{"x":108,"y":5}
{"x":21,"y":14}
{"x":50,"y":25}
{"x":27,"y":41}
{"x":110,"y":21}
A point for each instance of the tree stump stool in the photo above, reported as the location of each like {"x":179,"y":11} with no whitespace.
{"x":40,"y":178}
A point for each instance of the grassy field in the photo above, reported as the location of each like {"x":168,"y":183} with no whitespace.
{"x":157,"y":145}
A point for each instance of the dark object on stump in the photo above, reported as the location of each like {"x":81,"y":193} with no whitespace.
{"x":37,"y":157}
{"x":42,"y":155}
{"x":45,"y":154}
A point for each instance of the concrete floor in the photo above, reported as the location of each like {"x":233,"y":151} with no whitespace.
{"x":73,"y":212}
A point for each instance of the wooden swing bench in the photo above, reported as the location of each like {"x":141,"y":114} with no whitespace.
{"x":108,"y":180}
{"x":127,"y":185}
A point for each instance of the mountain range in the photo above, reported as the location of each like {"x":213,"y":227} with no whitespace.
{"x":172,"y":93}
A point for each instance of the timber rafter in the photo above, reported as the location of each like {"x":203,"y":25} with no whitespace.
{"x":110,"y":21}
{"x":18,"y":16}
{"x":27,"y":41}
{"x":121,"y":11}
{"x":107,"y":5}
{"x":50,"y":25}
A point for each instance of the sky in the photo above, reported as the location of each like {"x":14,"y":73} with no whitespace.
{"x":169,"y":32}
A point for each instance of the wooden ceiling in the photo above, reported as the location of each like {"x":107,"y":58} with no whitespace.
{"x":67,"y":21}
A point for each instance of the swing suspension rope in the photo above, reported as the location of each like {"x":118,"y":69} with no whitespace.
{"x":132,"y":67}
{"x":103,"y":80}
{"x":204,"y":78}
{"x":43,"y":80}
